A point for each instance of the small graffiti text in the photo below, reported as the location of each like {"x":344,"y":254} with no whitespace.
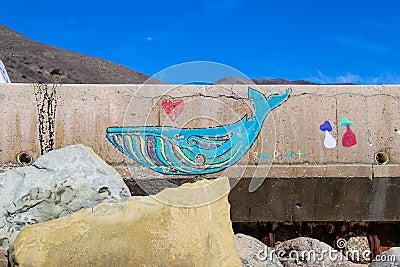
{"x":277,"y":155}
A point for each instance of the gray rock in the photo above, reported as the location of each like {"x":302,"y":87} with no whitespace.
{"x":253,"y":253}
{"x":3,"y":258}
{"x":305,"y":251}
{"x":57,"y":184}
{"x":357,"y":249}
{"x":390,"y":258}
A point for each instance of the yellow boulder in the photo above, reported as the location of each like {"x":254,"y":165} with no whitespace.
{"x":185,"y":226}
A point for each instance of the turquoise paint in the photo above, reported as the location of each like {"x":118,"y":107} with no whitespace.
{"x":171,"y":150}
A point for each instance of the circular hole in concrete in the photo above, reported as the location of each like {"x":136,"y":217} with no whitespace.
{"x":24,"y":158}
{"x":200,"y":159}
{"x":381,"y":157}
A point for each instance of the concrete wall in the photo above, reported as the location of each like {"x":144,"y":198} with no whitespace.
{"x":305,"y":179}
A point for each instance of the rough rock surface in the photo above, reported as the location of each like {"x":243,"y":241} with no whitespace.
{"x":59,"y":183}
{"x":390,"y":258}
{"x":3,"y":258}
{"x":253,"y":253}
{"x":357,"y":249}
{"x":142,"y":231}
{"x":305,"y":251}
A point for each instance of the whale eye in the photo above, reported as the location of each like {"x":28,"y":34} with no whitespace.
{"x":200,"y":159}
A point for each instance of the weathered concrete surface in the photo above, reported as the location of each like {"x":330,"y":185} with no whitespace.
{"x":319,"y":199}
{"x":84,"y":112}
{"x":139,"y":232}
{"x":57,"y":184}
{"x":290,"y":139}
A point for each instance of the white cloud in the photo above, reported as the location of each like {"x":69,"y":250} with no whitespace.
{"x":348,"y":78}
{"x":148,"y":38}
{"x":383,"y":78}
{"x":344,"y":78}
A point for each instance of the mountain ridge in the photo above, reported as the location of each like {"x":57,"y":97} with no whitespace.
{"x":262,"y":81}
{"x":28,"y":61}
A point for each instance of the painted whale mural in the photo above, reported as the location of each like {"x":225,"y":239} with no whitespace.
{"x":171,"y":150}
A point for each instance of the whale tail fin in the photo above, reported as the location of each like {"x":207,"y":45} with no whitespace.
{"x":263,"y":105}
{"x":275,"y":100}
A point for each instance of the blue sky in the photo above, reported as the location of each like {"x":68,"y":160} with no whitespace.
{"x":321,"y":41}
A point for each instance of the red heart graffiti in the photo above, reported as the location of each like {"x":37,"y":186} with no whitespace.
{"x":173,"y":107}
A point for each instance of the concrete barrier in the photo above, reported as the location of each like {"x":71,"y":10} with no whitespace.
{"x":306,"y":178}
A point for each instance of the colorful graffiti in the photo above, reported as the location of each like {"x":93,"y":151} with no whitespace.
{"x":329,"y":141}
{"x":349,"y":138}
{"x":290,"y":155}
{"x":173,"y":107}
{"x":171,"y":150}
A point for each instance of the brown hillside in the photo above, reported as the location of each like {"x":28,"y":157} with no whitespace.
{"x":28,"y":61}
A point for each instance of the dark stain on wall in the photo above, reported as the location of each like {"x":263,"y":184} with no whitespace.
{"x":46,"y":103}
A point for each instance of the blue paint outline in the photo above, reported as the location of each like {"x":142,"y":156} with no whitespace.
{"x":174,"y":142}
